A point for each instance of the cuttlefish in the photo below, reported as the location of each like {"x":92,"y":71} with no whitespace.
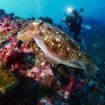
{"x":58,"y":46}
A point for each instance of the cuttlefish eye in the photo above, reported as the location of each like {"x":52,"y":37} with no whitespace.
{"x":37,"y":22}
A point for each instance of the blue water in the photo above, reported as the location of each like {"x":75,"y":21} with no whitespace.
{"x":54,"y":8}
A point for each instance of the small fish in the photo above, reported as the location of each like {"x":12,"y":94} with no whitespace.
{"x":57,"y":46}
{"x":88,"y":27}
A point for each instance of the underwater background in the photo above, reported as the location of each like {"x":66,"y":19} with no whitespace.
{"x":17,"y":84}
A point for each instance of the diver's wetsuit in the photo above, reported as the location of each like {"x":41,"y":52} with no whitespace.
{"x":75,"y":26}
{"x":74,"y":23}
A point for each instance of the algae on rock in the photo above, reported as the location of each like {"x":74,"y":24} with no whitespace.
{"x":7,"y":82}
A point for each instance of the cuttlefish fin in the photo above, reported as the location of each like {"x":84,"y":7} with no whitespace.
{"x":51,"y":60}
{"x":55,"y":58}
{"x":76,"y":64}
{"x":50,"y":55}
{"x":91,"y":71}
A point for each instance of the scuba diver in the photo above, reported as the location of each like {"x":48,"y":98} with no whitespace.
{"x":73,"y":21}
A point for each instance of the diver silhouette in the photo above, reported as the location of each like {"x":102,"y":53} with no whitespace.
{"x":73,"y":22}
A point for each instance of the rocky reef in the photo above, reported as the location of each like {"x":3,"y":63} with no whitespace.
{"x":46,"y":19}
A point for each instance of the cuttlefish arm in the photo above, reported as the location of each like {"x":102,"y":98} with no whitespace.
{"x":53,"y":57}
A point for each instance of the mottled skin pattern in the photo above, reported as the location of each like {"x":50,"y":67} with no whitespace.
{"x":65,"y":47}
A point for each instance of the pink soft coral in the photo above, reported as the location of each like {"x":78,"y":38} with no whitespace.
{"x":43,"y":75}
{"x":7,"y":26}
